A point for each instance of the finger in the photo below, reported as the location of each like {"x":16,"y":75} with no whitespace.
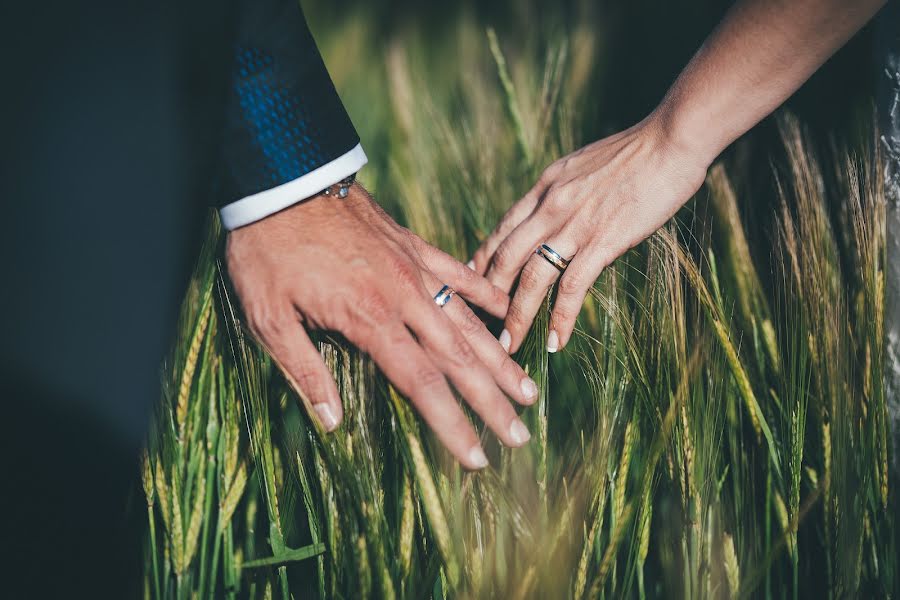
{"x":574,"y":284}
{"x":291,"y":349}
{"x":537,"y":276}
{"x":453,"y":354}
{"x":516,"y":250}
{"x":469,"y":284}
{"x":414,"y":374}
{"x":517,"y":213}
{"x":505,"y":371}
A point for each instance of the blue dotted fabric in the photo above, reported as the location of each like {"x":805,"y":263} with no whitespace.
{"x":283,"y":130}
{"x":284,"y":117}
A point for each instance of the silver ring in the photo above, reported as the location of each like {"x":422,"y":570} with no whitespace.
{"x":552,"y":257}
{"x":443,"y":296}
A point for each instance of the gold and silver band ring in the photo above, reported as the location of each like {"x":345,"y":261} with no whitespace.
{"x":443,"y":296}
{"x":552,"y":257}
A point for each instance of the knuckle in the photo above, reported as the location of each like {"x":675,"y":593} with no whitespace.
{"x":515,"y":316}
{"x":365,"y":336}
{"x":555,"y":201}
{"x":465,"y":276}
{"x":504,"y":224}
{"x":403,"y":272}
{"x":564,"y":314}
{"x":363,"y":340}
{"x":375,"y":309}
{"x":428,"y":380}
{"x":481,"y":257}
{"x":404,"y":232}
{"x":552,"y":170}
{"x":471,"y":324}
{"x":529,"y":280}
{"x":503,"y":257}
{"x":307,"y":375}
{"x":570,"y":285}
{"x":464,"y":354}
{"x":339,"y":315}
{"x":509,"y":220}
{"x":499,"y":297}
{"x":265,"y":322}
{"x":396,"y":337}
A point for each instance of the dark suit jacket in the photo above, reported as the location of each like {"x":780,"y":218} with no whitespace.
{"x":122,"y":123}
{"x":283,"y":118}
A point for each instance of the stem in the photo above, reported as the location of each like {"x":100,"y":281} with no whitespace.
{"x":204,"y":532}
{"x":157,"y":595}
{"x":509,"y":94}
{"x":285,"y":589}
{"x":795,"y":559}
{"x":230,"y":587}
{"x":695,"y":555}
{"x":768,"y":530}
{"x":217,"y":547}
{"x":640,"y":578}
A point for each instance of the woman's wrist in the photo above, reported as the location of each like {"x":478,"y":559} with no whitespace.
{"x":689,"y":139}
{"x":675,"y":153}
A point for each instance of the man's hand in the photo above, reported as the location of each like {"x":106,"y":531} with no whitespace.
{"x":345,"y":266}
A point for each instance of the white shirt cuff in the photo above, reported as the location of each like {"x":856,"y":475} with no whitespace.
{"x":261,"y":205}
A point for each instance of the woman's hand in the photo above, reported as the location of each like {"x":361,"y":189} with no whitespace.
{"x":344,"y":265}
{"x":590,"y":206}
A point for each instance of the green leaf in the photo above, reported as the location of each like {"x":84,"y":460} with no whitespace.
{"x":288,"y":556}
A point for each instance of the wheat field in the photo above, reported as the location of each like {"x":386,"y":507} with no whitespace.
{"x":716,"y":429}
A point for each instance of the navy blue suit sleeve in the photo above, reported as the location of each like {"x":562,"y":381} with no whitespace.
{"x":283,"y":117}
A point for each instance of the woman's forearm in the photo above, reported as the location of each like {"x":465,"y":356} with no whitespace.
{"x":761,"y":52}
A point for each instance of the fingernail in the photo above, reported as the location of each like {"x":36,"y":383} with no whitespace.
{"x":518,"y":433}
{"x":552,"y":342}
{"x":505,"y":339}
{"x":326,"y":416}
{"x":529,"y":389}
{"x":471,"y":264}
{"x":477,"y":458}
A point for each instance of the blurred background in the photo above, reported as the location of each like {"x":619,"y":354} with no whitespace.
{"x":630,"y":53}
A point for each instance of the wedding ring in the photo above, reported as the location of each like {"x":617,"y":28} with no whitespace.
{"x":443,"y":296}
{"x":552,"y":257}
